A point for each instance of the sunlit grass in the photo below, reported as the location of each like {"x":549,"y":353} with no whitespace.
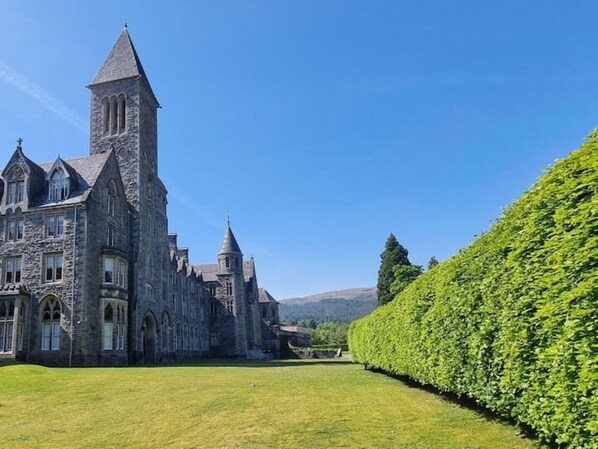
{"x":234,"y":404}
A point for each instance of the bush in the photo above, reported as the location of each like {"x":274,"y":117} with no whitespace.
{"x":512,"y":320}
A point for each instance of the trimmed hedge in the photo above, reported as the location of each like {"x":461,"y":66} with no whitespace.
{"x":511,"y":320}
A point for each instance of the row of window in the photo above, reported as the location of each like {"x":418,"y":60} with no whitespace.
{"x":52,"y":268}
{"x":227,"y":288}
{"x":229,"y":306}
{"x":115,"y":269}
{"x":58,"y":190}
{"x":113,"y":332}
{"x":113,"y":335}
{"x":114,"y":115}
{"x":227,"y":262}
{"x":15,"y":228}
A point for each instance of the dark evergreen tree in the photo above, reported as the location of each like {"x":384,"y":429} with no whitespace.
{"x":404,"y":275}
{"x":432,"y":262}
{"x":394,"y":254}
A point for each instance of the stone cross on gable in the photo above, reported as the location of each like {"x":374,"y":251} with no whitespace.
{"x":19,"y":142}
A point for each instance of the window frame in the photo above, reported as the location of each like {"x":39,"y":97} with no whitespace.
{"x":16,"y":266}
{"x":54,"y":226}
{"x":59,"y":186}
{"x":51,"y":327}
{"x":57,"y":270}
{"x":118,"y":273}
{"x":110,"y":236}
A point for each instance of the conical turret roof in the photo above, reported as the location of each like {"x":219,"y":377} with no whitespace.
{"x":229,"y":243}
{"x":122,"y":62}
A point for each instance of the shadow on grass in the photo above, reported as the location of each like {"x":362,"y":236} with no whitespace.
{"x":240,"y":363}
{"x":471,"y":404}
{"x":213,"y":363}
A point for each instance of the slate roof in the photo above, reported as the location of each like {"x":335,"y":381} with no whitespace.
{"x":122,"y":62}
{"x":87,"y":169}
{"x":209,"y":271}
{"x":265,"y":296}
{"x":229,"y":243}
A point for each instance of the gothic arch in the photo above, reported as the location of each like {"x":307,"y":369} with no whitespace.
{"x":149,"y":332}
{"x":50,"y":320}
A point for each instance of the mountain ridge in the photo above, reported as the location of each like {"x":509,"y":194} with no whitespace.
{"x":337,"y":305}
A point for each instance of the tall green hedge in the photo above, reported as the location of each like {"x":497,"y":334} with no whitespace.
{"x":511,"y":320}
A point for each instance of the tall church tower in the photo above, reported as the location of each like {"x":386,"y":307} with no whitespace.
{"x":124,"y":120}
{"x":124,"y":116}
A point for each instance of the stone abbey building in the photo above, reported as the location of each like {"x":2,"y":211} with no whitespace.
{"x":90,"y":274}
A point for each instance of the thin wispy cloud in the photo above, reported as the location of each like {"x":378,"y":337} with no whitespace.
{"x":42,"y":96}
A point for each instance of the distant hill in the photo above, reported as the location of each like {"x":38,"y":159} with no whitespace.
{"x":341,"y":305}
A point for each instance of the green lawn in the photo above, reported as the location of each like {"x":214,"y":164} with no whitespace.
{"x":234,"y":404}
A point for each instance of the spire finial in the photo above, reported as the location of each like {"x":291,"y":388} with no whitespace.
{"x":19,"y":142}
{"x":227,"y":218}
{"x":126,"y":26}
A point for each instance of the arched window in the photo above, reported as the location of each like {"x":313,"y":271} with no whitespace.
{"x":108,"y":329}
{"x":7,"y":316}
{"x":227,"y":262}
{"x":150,"y":264}
{"x":51,"y":312}
{"x":187,"y":337}
{"x":15,"y":189}
{"x":111,"y":194}
{"x":177,"y":337}
{"x":113,"y":115}
{"x":59,"y":185}
{"x":21,"y":327}
{"x":122,"y":120}
{"x":106,"y":115}
{"x":120,"y":329}
{"x":149,"y":291}
{"x":165,"y":332}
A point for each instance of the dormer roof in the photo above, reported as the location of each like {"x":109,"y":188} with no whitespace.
{"x":60,"y":163}
{"x":31,"y":166}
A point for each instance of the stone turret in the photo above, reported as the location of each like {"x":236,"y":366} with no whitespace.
{"x":230,"y":258}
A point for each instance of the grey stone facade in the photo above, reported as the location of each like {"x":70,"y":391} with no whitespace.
{"x":89,"y":274}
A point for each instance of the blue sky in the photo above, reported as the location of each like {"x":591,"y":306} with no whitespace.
{"x":321,"y":125}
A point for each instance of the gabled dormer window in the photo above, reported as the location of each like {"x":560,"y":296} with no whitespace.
{"x":59,"y":185}
{"x":16,"y":192}
{"x":15,"y":186}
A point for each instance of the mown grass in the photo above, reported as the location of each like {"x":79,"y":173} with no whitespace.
{"x":235,"y":404}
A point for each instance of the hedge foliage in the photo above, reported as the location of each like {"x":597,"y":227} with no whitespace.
{"x":511,"y":320}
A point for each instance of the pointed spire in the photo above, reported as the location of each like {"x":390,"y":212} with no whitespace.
{"x":122,"y":61}
{"x":229,"y":243}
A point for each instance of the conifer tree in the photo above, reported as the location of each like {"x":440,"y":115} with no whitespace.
{"x":394,"y":254}
{"x":432,"y":262}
